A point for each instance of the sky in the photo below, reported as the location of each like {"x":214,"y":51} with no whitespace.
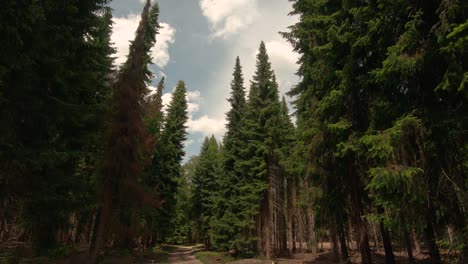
{"x":198,"y":43}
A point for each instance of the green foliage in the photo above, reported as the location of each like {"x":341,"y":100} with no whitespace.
{"x":225,"y":224}
{"x":382,"y":95}
{"x":205,"y":183}
{"x":168,"y":156}
{"x":54,"y":85}
{"x":182,"y":221}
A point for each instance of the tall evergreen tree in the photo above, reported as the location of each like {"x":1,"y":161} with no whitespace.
{"x":53,"y":86}
{"x":120,"y":190}
{"x":205,"y":185}
{"x":168,"y":157}
{"x":226,"y":221}
{"x":154,"y":121}
{"x":259,"y":159}
{"x":371,"y":95}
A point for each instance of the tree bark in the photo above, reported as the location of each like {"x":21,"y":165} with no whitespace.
{"x":290,"y":221}
{"x":311,"y":219}
{"x":334,"y":242}
{"x":431,"y":242}
{"x":387,"y":242}
{"x":358,"y":212}
{"x":344,"y":248}
{"x":417,"y":245}
{"x":409,"y":248}
{"x":102,"y":223}
{"x":300,"y":228}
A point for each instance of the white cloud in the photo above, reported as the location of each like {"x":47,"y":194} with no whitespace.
{"x":229,"y":16}
{"x":281,"y":53}
{"x":195,"y":95}
{"x":207,"y":126}
{"x":204,"y":125}
{"x":166,"y":99}
{"x":160,"y":51}
{"x":188,"y":142}
{"x":193,"y":100}
{"x":124,"y":31}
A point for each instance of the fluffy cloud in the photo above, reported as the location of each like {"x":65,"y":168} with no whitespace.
{"x":160,"y":51}
{"x":207,"y":126}
{"x":229,"y":16}
{"x":188,"y":142}
{"x":124,"y":31}
{"x":204,"y":125}
{"x":166,"y":99}
{"x":281,"y":53}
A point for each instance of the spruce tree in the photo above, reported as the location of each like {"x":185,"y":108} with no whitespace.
{"x":120,"y":190}
{"x":168,"y":157}
{"x":52,"y":95}
{"x":259,"y":159}
{"x":205,"y":186}
{"x":226,"y":220}
{"x":154,"y":120}
{"x":370,"y":106}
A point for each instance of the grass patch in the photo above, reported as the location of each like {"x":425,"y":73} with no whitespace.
{"x":162,"y":254}
{"x":211,"y":257}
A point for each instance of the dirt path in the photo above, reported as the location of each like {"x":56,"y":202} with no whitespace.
{"x":183,"y":255}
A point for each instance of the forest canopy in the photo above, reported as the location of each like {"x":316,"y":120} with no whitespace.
{"x":366,"y":153}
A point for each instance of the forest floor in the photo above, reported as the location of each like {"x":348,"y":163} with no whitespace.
{"x":325,"y":256}
{"x":194,"y":254}
{"x":184,"y":255}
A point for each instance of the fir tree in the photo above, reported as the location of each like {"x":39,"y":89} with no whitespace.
{"x":168,"y":157}
{"x":205,"y":185}
{"x":259,"y":160}
{"x":120,"y":190}
{"x":52,"y":97}
{"x":226,"y":221}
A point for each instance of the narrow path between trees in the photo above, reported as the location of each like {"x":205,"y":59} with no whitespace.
{"x":184,"y":254}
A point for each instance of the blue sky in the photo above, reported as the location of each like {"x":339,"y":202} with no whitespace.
{"x":198,"y":43}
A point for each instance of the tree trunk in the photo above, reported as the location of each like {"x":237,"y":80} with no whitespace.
{"x":291,"y":213}
{"x":344,"y":248}
{"x":358,"y":212}
{"x":102,"y":222}
{"x":300,"y":228}
{"x":431,"y":242}
{"x":376,"y":237}
{"x":386,"y":239}
{"x":387,"y":243}
{"x":417,"y":245}
{"x":290,"y":224}
{"x":311,"y":219}
{"x":409,"y":249}
{"x":334,"y":242}
{"x":268,"y":227}
{"x":259,"y":233}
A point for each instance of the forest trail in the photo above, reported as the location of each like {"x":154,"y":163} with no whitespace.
{"x":184,"y":255}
